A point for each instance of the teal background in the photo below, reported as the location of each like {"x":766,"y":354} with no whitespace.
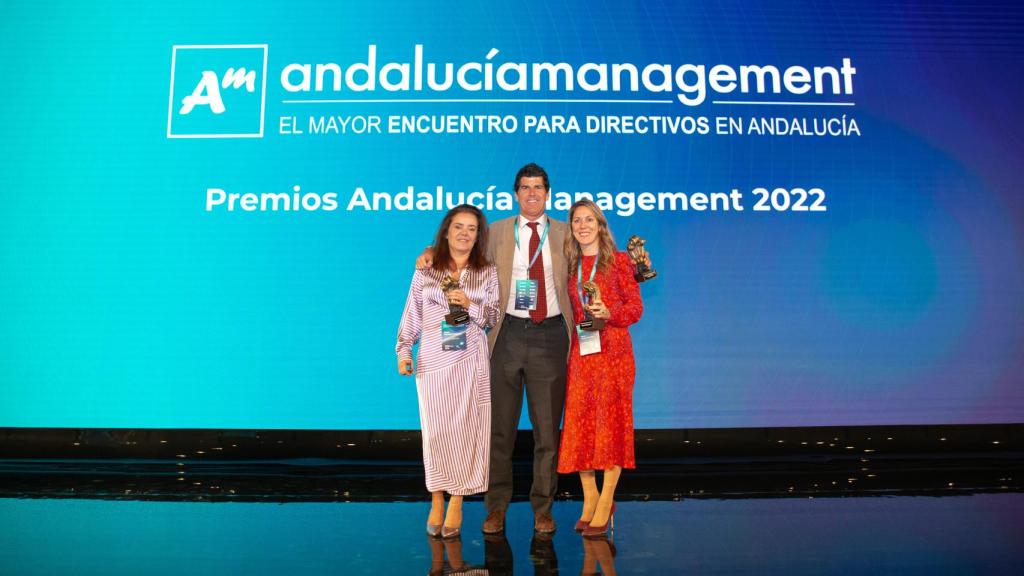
{"x":123,"y":303}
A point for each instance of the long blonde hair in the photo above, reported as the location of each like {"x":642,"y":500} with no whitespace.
{"x":605,"y":241}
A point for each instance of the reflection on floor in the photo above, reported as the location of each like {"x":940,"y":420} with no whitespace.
{"x":796,"y":501}
{"x":977,"y":534}
{"x":859,"y":514}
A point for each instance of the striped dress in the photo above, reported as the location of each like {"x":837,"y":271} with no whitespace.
{"x":453,"y":386}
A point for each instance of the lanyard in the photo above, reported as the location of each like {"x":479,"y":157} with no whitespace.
{"x":579,"y":276}
{"x":540,"y":246}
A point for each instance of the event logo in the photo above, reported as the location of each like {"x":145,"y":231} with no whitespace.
{"x":217,"y":91}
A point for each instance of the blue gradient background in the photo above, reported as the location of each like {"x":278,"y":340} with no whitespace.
{"x":123,"y":303}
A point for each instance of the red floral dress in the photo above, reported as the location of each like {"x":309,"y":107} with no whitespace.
{"x":598,"y":430}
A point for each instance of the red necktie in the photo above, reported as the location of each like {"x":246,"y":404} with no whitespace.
{"x":537,"y":273}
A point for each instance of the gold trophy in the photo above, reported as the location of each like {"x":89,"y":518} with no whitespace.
{"x":593,"y":295}
{"x":457,"y":315}
{"x":637,"y":254}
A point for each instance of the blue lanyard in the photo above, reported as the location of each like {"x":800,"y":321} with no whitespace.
{"x":579,"y":277}
{"x":540,"y":246}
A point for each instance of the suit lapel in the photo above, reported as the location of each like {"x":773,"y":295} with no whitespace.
{"x":504,"y":255}
{"x":558,"y":254}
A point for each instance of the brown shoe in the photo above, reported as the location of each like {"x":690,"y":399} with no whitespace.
{"x":543,"y":523}
{"x":495,"y":522}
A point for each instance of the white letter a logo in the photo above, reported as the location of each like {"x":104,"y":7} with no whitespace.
{"x":208,"y":84}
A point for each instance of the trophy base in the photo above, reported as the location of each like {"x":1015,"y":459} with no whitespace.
{"x":645,"y":275}
{"x":457,"y":318}
{"x":592,"y":324}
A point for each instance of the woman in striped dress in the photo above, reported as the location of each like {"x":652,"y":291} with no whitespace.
{"x":452,"y":366}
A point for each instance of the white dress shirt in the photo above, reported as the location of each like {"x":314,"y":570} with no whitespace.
{"x":521,"y":267}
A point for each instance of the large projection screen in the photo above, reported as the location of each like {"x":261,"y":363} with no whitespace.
{"x":211,"y":210}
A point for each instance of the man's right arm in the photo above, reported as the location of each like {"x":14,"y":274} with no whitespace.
{"x":425,"y":259}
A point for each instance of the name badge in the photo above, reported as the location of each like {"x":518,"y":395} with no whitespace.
{"x":590,"y":341}
{"x":453,"y":337}
{"x":526,"y":294}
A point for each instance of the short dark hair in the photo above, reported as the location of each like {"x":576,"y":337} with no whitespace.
{"x":531,"y":170}
{"x":477,"y":256}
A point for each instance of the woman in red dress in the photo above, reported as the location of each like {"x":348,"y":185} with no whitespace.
{"x":598,"y":431}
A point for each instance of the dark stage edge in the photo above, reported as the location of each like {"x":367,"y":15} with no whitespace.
{"x":379,"y":466}
{"x":376,"y":445}
{"x":347,"y":481}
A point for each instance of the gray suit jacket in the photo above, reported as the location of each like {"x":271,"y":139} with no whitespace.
{"x":501,"y":249}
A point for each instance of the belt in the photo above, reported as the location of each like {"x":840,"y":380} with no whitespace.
{"x":517,"y":321}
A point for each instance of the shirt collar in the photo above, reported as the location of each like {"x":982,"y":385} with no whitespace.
{"x":541,"y":222}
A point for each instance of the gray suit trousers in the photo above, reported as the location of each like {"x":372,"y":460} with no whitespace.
{"x":532,"y":357}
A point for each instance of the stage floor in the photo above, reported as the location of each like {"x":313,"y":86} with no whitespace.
{"x":859,"y":514}
{"x":962,"y":534}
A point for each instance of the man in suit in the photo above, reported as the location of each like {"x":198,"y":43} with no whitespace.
{"x":529,"y":346}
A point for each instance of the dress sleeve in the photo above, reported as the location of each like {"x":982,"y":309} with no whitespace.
{"x":629,"y":307}
{"x":485,"y":314}
{"x":412,"y":318}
